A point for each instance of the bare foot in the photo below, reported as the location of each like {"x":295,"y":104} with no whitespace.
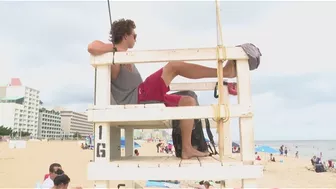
{"x":190,"y":153}
{"x":229,"y":70}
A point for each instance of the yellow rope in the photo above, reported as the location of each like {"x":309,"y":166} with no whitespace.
{"x":217,"y":111}
{"x":227,"y":113}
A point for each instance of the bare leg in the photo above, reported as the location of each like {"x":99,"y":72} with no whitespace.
{"x":186,"y":129}
{"x":192,"y":71}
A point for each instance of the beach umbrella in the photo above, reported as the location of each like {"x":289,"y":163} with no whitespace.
{"x":266,"y":149}
{"x":122,"y":144}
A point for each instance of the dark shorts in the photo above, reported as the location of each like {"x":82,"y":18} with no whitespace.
{"x":154,"y":89}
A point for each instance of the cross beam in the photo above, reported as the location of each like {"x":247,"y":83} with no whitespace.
{"x":159,"y":56}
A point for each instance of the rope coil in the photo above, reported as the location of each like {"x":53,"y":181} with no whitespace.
{"x":217,"y":110}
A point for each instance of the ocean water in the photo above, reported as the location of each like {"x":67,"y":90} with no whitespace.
{"x":306,"y":148}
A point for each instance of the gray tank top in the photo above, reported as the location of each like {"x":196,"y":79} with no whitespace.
{"x":125,"y":87}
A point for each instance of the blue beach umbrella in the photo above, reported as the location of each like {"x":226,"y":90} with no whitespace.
{"x":122,"y":143}
{"x":266,"y":149}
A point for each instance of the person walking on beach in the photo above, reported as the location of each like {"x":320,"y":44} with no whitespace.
{"x":281,"y":150}
{"x":128,"y":87}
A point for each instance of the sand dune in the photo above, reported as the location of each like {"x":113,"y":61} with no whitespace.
{"x":23,"y":168}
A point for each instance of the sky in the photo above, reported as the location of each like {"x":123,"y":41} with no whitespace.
{"x":45,"y":44}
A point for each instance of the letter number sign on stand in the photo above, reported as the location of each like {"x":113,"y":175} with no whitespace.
{"x":100,"y":146}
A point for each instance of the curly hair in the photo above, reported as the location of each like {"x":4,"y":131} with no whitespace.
{"x":120,"y":28}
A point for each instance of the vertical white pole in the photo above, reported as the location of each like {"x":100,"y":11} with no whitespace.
{"x":246,"y":123}
{"x":102,"y":130}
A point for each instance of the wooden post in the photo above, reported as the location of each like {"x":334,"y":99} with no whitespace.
{"x":129,"y":142}
{"x":227,"y":139}
{"x":245,"y":123}
{"x":102,"y":130}
{"x":227,"y":129}
{"x":115,"y":151}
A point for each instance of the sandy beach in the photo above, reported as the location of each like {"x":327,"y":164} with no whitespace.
{"x":23,"y":168}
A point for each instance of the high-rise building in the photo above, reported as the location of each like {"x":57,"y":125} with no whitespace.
{"x":75,"y":122}
{"x":23,"y":105}
{"x":49,"y":124}
{"x":11,"y":113}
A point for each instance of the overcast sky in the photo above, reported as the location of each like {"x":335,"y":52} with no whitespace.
{"x":45,"y":44}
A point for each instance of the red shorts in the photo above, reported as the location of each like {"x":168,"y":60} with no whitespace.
{"x":154,"y":89}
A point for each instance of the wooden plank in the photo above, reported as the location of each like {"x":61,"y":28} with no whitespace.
{"x":108,"y":171}
{"x":128,"y":106}
{"x":129,"y":141}
{"x":143,"y":125}
{"x":210,"y":160}
{"x":154,"y":124}
{"x":159,"y":56}
{"x":171,"y":161}
{"x":142,"y":161}
{"x":162,"y":114}
{"x":200,"y":86}
{"x":102,"y":130}
{"x":193,"y":162}
{"x":227,"y":145}
{"x":115,"y":135}
{"x":245,"y":124}
{"x":215,"y":161}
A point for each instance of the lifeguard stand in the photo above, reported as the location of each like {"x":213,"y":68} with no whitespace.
{"x":110,"y":119}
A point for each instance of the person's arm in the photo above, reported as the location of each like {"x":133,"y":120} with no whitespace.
{"x":98,"y":48}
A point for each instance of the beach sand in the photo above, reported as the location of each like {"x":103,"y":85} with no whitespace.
{"x":23,"y":168}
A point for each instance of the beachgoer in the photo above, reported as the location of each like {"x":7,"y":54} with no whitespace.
{"x":48,"y":178}
{"x":49,"y":182}
{"x":258,"y":158}
{"x":272,"y":158}
{"x":170,"y":148}
{"x":136,"y":152}
{"x":129,"y":88}
{"x":61,"y":182}
{"x":158,"y":145}
{"x":281,"y":150}
{"x":313,"y":160}
{"x":207,"y":184}
{"x":286,"y":151}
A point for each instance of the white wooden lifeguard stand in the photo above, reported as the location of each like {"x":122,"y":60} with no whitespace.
{"x":109,"y":119}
